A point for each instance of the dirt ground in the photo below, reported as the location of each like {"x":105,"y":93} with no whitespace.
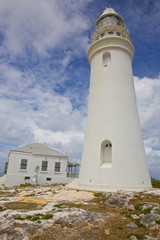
{"x":57,"y":212}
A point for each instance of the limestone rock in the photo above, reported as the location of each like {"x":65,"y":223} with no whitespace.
{"x":134,"y":216}
{"x":115,"y":201}
{"x":131,"y":207}
{"x":148,"y":221}
{"x":150,"y":238}
{"x":133,"y":238}
{"x":132,"y":225}
{"x":149,"y":205}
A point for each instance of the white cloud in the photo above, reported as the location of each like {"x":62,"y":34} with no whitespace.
{"x":148,"y":100}
{"x":42,"y":25}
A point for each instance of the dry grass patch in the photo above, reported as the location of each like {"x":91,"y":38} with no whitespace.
{"x":21,"y":205}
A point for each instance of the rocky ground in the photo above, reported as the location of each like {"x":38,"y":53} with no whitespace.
{"x":57,"y":212}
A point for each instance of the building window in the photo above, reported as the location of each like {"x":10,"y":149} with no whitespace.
{"x":48,"y":179}
{"x":102,"y":35}
{"x":118,"y":34}
{"x":44,"y":166}
{"x":26,"y":178}
{"x":110,"y":32}
{"x":23,"y":164}
{"x":57,"y":167}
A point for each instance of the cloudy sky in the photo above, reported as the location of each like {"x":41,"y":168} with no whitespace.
{"x":44,"y":72}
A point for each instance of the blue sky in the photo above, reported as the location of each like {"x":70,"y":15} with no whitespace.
{"x":44,"y":72}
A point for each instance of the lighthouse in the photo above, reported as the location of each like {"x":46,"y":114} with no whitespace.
{"x":113,"y":154}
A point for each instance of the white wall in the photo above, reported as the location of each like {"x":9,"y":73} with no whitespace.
{"x":15,"y":175}
{"x":113,"y":116}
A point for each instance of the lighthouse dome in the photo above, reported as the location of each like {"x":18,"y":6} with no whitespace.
{"x":109,"y":10}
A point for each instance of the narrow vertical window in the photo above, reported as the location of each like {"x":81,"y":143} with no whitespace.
{"x":106,"y":59}
{"x":44,"y":166}
{"x":106,"y":152}
{"x":57,"y":167}
{"x":23,"y":164}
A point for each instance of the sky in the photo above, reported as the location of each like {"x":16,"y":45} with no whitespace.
{"x":45,"y":74}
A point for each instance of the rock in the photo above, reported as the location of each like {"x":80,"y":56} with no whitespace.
{"x":148,"y":221}
{"x":107,"y":231}
{"x":158,"y":235}
{"x":131,"y":207}
{"x":116,"y":201}
{"x":156,"y":216}
{"x":150,"y":238}
{"x":134,"y":216}
{"x":133,"y":238}
{"x":132,"y":225}
{"x":149,"y":205}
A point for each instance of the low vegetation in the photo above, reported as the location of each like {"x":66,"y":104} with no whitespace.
{"x":21,"y":205}
{"x":36,"y":217}
{"x":116,"y":219}
{"x":155,"y":183}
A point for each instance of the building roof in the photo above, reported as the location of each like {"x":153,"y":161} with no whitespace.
{"x":39,"y":149}
{"x":71,"y":164}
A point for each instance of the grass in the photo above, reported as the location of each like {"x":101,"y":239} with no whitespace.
{"x":147,"y":211}
{"x":26,"y":185}
{"x":70,"y":205}
{"x":155,"y":183}
{"x":30,"y":195}
{"x":2,"y":209}
{"x":158,"y":211}
{"x":20,"y":205}
{"x":158,"y":222}
{"x":18,"y":217}
{"x":137,"y":222}
{"x":58,"y":205}
{"x":138,"y":206}
{"x":36,"y":217}
{"x":47,"y":216}
{"x":98,"y":194}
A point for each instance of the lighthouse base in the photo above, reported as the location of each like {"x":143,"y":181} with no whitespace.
{"x":103,"y":188}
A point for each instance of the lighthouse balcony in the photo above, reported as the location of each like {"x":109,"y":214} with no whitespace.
{"x":107,"y":31}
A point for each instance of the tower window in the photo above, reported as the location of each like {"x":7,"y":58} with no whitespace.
{"x":106,"y":152}
{"x":110,"y":32}
{"x":106,"y":59}
{"x":118,"y":34}
{"x":102,"y":35}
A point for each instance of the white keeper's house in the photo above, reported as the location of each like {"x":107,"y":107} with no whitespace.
{"x":36,"y":164}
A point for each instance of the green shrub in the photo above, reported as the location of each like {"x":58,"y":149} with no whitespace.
{"x":26,"y":185}
{"x":98,"y":194}
{"x":47,"y":216}
{"x":137,"y":222}
{"x":138,"y":206}
{"x":147,"y":211}
{"x":158,"y":221}
{"x":29,"y":217}
{"x":57,"y":205}
{"x":17,"y":217}
{"x":155,"y":183}
{"x":35,"y":218}
{"x":2,"y":209}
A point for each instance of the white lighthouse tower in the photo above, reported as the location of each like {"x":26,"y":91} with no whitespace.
{"x":113,"y":154}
